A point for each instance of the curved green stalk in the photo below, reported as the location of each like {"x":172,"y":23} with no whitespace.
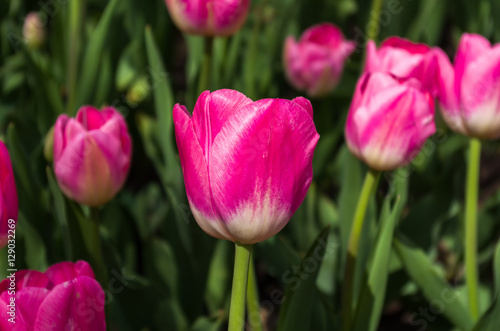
{"x":253,"y":306}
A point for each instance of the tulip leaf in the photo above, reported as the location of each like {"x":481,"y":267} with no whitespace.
{"x":207,"y":324}
{"x":89,"y":74}
{"x":295,"y":315}
{"x":433,"y":286}
{"x":490,"y":321}
{"x":219,"y":276}
{"x":60,"y":211}
{"x":36,"y":256}
{"x":371,"y":301}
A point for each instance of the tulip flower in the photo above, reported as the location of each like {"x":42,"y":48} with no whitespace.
{"x":388,"y":121}
{"x":315,"y":63}
{"x":33,"y":30}
{"x":92,"y":155}
{"x":469,"y":90}
{"x":209,"y":17}
{"x":404,"y":59}
{"x":65,"y":297}
{"x":8,"y":196}
{"x":247,"y":165}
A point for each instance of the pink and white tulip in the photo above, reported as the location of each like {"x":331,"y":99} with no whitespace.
{"x":315,"y":63}
{"x":8,"y":195}
{"x":209,"y":17}
{"x":404,"y":59}
{"x":469,"y":93}
{"x":247,"y":165}
{"x":65,"y":297}
{"x":92,"y":154}
{"x":388,"y":121}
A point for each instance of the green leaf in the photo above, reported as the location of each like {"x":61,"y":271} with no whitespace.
{"x":219,"y":276}
{"x":434,"y":286}
{"x":89,"y":74}
{"x":207,"y":324}
{"x":295,"y":314}
{"x":490,"y":321}
{"x":371,"y":301}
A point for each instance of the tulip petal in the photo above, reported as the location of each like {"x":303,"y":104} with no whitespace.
{"x":64,"y":271}
{"x":480,"y":95}
{"x":59,"y":136}
{"x":92,"y":118}
{"x":8,"y":194}
{"x":211,"y":112}
{"x":28,"y":302}
{"x":261,"y":167}
{"x":195,"y":172}
{"x":75,"y":304}
{"x":304,"y":103}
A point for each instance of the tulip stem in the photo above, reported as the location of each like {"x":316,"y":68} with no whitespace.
{"x":374,"y":20}
{"x":238,"y":292}
{"x":253,"y":306}
{"x":76,"y":10}
{"x":471,"y":200}
{"x":94,"y":245}
{"x":369,"y":186}
{"x":204,"y":82}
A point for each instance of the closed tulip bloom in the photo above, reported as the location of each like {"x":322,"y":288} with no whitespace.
{"x":92,"y":155}
{"x":404,"y":60}
{"x":247,"y":165}
{"x":34,"y":30}
{"x":315,"y":63}
{"x":209,"y":17}
{"x":469,"y":92}
{"x":388,"y":121}
{"x":8,"y":195}
{"x":65,"y":297}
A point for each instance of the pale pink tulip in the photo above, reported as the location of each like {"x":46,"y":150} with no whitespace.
{"x":404,"y":59}
{"x":65,"y":297}
{"x":388,"y":121}
{"x":208,"y":17}
{"x":315,"y":63}
{"x":92,"y":154}
{"x":8,"y":196}
{"x":247,"y":165}
{"x":469,"y":93}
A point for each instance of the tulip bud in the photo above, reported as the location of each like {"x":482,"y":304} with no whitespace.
{"x":247,"y":165}
{"x":139,"y":91}
{"x":388,"y":121}
{"x":404,"y":59}
{"x":92,"y":154}
{"x":48,"y":145}
{"x":469,"y":93}
{"x":8,"y":196}
{"x":315,"y":63}
{"x":208,"y":17}
{"x":33,"y":30}
{"x":56,"y":299}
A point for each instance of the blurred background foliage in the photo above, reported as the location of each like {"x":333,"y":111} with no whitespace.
{"x":172,"y":276}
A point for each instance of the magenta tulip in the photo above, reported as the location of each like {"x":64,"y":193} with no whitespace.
{"x":469,"y":92}
{"x":92,"y":155}
{"x":404,"y":59}
{"x":8,"y":196}
{"x":247,"y":165}
{"x":315,"y":63}
{"x":388,"y":121}
{"x":209,"y":17}
{"x":65,"y":297}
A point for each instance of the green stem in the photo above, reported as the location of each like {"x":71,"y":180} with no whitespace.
{"x":369,"y":185}
{"x":238,"y":292}
{"x":204,"y":82}
{"x":94,"y":246}
{"x":76,"y":13}
{"x":374,"y":19}
{"x":471,"y":200}
{"x":253,"y":306}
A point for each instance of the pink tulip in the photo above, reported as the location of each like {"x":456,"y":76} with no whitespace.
{"x":469,"y":92}
{"x":92,"y":155}
{"x":404,"y":59}
{"x":209,"y":17}
{"x":315,"y":63}
{"x":247,"y":165}
{"x":8,"y":196}
{"x":65,"y":297}
{"x":388,"y":121}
